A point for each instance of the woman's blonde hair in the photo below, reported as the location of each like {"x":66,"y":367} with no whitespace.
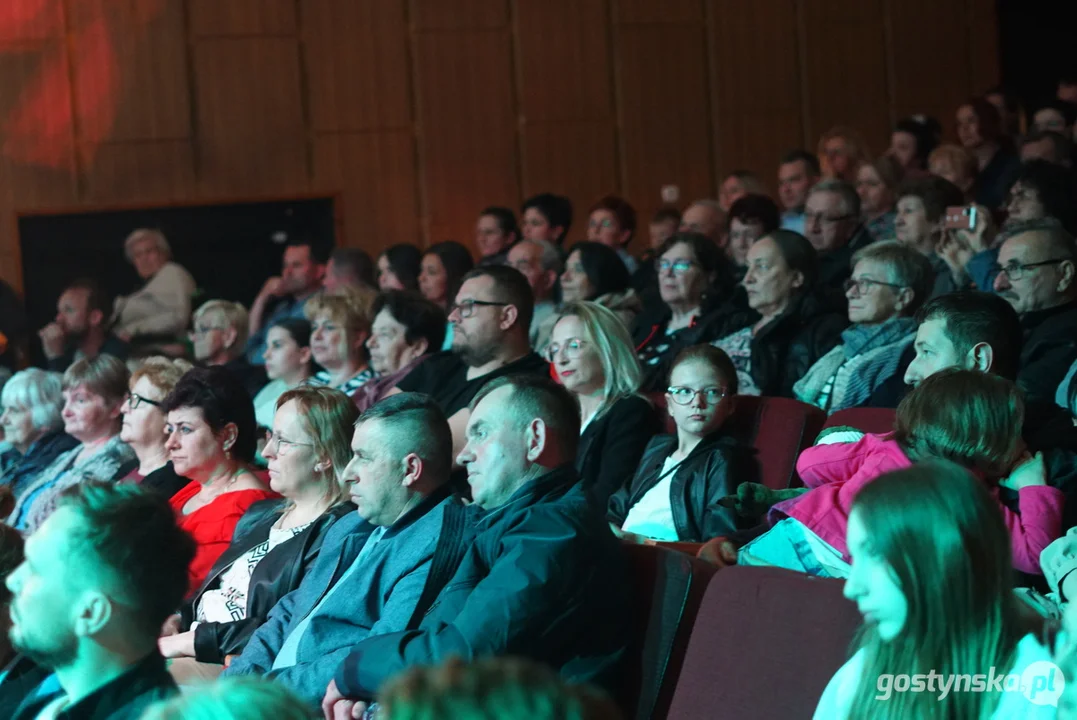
{"x":965,"y":416}
{"x":328,"y":417}
{"x":232,"y":313}
{"x":623,"y":374}
{"x":234,"y":698}
{"x":348,"y":306}
{"x":162,"y":372}
{"x":490,"y":689}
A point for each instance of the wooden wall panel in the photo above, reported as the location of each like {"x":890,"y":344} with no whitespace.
{"x":757,"y":115}
{"x":664,"y":113}
{"x":417,"y":113}
{"x":845,"y":69}
{"x":250,"y":131}
{"x":376,"y":175}
{"x":439,"y":15}
{"x":214,"y":18}
{"x":659,"y":12}
{"x":929,"y":61}
{"x":149,"y":59}
{"x":357,"y":65}
{"x":467,"y":128}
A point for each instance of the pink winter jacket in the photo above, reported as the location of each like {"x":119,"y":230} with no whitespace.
{"x":836,"y":473}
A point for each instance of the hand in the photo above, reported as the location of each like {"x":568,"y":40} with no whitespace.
{"x":171,"y":626}
{"x":52,"y":340}
{"x":982,"y":235}
{"x":720,"y":552}
{"x":176,"y":646}
{"x":1029,"y":471}
{"x":274,"y":287}
{"x":955,"y":250}
{"x":337,"y":707}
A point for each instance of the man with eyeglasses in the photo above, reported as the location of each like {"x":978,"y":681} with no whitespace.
{"x":832,"y":226}
{"x":491,"y":319}
{"x":1037,"y":275}
{"x":380,"y":568}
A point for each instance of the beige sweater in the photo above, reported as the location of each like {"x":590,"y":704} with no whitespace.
{"x":162,"y":306}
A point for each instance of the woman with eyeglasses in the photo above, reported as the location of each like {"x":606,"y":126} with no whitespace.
{"x":692,"y":270}
{"x":789,"y":323}
{"x":674,"y":493}
{"x":592,"y":356}
{"x":276,"y":541}
{"x":143,"y":426}
{"x":211,"y":436}
{"x":889,"y":283}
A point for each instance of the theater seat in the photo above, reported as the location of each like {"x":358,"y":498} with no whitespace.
{"x":764,"y":645}
{"x":668,"y":588}
{"x":778,"y":429}
{"x":869,"y":420}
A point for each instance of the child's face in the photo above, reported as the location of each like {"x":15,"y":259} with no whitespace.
{"x":698,"y":416}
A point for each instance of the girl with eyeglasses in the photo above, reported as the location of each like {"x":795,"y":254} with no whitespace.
{"x":889,"y":284}
{"x":675,"y":492}
{"x":276,"y":540}
{"x":592,"y":356}
{"x":143,"y":427}
{"x":964,"y":416}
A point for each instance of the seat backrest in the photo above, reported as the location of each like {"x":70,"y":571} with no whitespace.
{"x":869,"y":420}
{"x":778,"y":429}
{"x":764,"y":645}
{"x":668,"y":588}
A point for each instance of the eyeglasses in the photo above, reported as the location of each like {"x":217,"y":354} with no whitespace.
{"x":679,"y":267}
{"x":810,"y":218}
{"x":467,"y":308}
{"x":1016,"y":271}
{"x":205,"y":329}
{"x":273,"y":438}
{"x":571,"y":349}
{"x":685,"y":395}
{"x":133,"y":400}
{"x":864,"y":285}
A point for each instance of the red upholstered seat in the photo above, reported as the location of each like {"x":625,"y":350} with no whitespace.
{"x":778,"y":429}
{"x":668,"y":588}
{"x":869,"y":420}
{"x":764,"y":645}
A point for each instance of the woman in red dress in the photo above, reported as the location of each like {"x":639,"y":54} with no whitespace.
{"x":211,"y":441}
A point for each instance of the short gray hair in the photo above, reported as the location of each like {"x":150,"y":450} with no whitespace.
{"x":158,"y":238}
{"x":905,"y":266}
{"x":551,"y":256}
{"x":1060,"y":241}
{"x":233,"y":313}
{"x":842,"y":189}
{"x":41,"y":393}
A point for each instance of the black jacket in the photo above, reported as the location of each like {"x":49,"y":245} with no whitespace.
{"x":124,"y":698}
{"x":656,"y":350}
{"x":543,"y":578}
{"x":111,"y":346}
{"x":278,"y":573}
{"x":836,"y":266}
{"x":786,"y":348}
{"x":611,"y":446}
{"x":711,"y":471}
{"x":1050,"y":347}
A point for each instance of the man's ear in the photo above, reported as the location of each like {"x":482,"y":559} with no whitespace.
{"x":93,"y":613}
{"x":95,"y":318}
{"x":1067,"y":270}
{"x":413,"y":469}
{"x":981,"y":357}
{"x":536,"y":439}
{"x":509,"y":314}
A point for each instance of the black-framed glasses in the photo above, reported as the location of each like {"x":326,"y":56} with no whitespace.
{"x":133,"y":400}
{"x":571,"y":349}
{"x":679,"y":267}
{"x":684,"y":395}
{"x":467,"y":307}
{"x":273,"y":438}
{"x":865,"y":285}
{"x":1016,"y":271}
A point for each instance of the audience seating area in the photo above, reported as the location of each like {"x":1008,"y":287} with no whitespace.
{"x":703,"y":634}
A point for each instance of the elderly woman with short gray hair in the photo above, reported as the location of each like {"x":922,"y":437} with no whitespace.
{"x":162,"y":307}
{"x":32,"y":402}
